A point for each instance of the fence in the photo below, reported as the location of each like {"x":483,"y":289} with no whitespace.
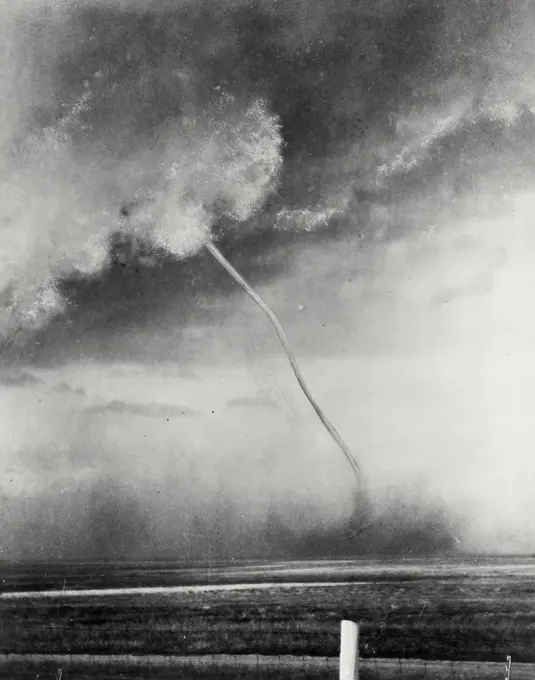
{"x":348,"y":666}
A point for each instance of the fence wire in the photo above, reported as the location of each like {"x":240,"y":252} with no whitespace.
{"x":320,"y":669}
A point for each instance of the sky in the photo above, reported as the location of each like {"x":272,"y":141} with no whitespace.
{"x":368,"y":168}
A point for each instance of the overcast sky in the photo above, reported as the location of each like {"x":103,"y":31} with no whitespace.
{"x":409,"y":308}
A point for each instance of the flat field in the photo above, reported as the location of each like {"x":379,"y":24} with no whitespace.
{"x":459,"y":610}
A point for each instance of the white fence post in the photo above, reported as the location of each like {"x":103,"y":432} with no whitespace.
{"x":349,"y":651}
{"x":508,"y":668}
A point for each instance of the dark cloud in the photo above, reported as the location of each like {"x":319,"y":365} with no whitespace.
{"x":357,"y":91}
{"x":151,"y":410}
{"x":19,"y":378}
{"x":64,"y":388}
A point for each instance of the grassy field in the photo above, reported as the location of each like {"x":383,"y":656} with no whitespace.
{"x":471,"y":610}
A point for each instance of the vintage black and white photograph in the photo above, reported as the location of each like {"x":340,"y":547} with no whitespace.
{"x":267,"y":348}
